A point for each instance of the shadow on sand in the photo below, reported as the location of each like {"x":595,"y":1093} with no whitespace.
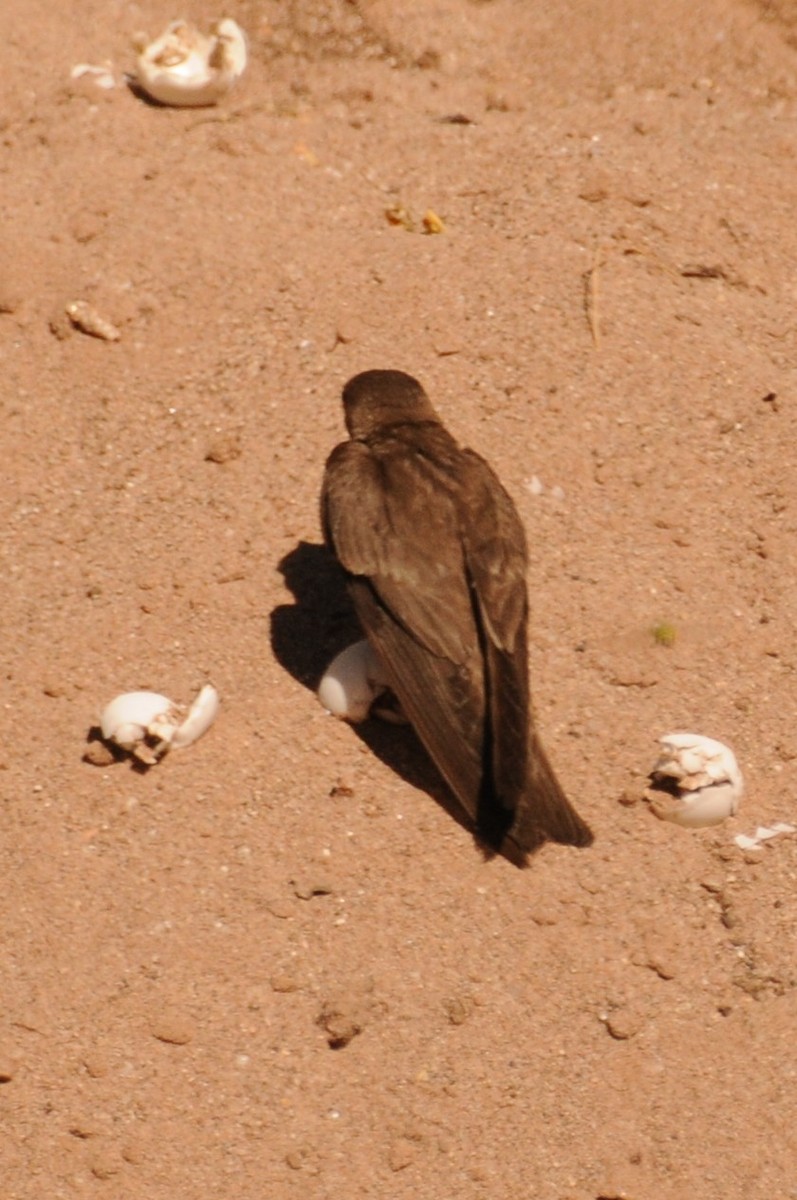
{"x":306,"y":636}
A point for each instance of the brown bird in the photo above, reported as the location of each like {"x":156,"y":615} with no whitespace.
{"x":435,"y":557}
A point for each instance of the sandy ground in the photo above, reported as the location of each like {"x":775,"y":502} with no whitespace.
{"x":609,"y":317}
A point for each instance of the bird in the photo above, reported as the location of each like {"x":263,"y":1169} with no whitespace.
{"x":435,"y":559}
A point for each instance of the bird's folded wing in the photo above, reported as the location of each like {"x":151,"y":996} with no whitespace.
{"x":385,"y":521}
{"x":398,"y":541}
{"x":495,"y":559}
{"x":440,"y":698}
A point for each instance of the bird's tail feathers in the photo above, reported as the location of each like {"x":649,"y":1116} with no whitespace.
{"x":545,"y":813}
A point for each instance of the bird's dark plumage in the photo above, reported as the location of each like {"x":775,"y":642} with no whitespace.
{"x":435,"y":556}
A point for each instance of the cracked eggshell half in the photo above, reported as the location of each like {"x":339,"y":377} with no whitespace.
{"x":707,"y":775}
{"x":128,"y":718}
{"x":694,"y":761}
{"x":351,"y":683}
{"x":699,"y":809}
{"x":184,"y":68}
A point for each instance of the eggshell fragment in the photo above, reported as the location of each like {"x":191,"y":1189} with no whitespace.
{"x":763,"y":834}
{"x":185,"y":68}
{"x":136,"y":720}
{"x":352,"y":682}
{"x":201,"y":715}
{"x":707,"y":778}
{"x":127,"y":719}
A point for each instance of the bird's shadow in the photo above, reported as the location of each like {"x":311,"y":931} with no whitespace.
{"x":306,"y":636}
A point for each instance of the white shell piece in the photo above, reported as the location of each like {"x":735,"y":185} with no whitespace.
{"x":102,"y":75}
{"x":133,"y":717}
{"x":352,"y":682}
{"x":128,"y":719}
{"x":762,"y":834}
{"x":184,"y":68}
{"x":744,"y":842}
{"x":710,"y":784}
{"x":707,"y":806}
{"x":201,"y":715}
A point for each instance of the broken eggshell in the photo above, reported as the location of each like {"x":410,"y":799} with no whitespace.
{"x":187,"y":69}
{"x":706,"y":777}
{"x":134,"y":718}
{"x":352,"y":682}
{"x":201,"y":715}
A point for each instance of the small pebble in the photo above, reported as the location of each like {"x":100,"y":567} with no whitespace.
{"x":285,"y":981}
{"x":86,"y":319}
{"x":305,"y":889}
{"x":628,"y":798}
{"x":96,"y":1066}
{"x":623,"y":1024}
{"x":459,"y":1008}
{"x":340,"y":1024}
{"x":98,"y":754}
{"x":8,"y":1067}
{"x":402,"y":1154}
{"x":173,"y":1030}
{"x":104,"y":1164}
{"x":224,"y":448}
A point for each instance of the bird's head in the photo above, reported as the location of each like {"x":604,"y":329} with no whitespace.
{"x":376,"y":399}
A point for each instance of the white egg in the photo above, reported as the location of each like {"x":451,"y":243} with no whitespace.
{"x":351,"y":683}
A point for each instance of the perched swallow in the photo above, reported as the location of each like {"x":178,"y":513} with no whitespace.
{"x":435,"y":557}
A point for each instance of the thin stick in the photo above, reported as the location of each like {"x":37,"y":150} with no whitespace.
{"x":592,"y":298}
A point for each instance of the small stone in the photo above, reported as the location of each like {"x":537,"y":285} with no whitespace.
{"x":305,"y":889}
{"x":661,"y":960}
{"x":84,"y":1129}
{"x":8,"y":1067}
{"x":285,"y":981}
{"x":342,"y":790}
{"x":628,"y":798}
{"x":11,"y":296}
{"x":397,"y":214}
{"x":96,"y":1066}
{"x":596,"y":187}
{"x":348,"y":329}
{"x":545,"y":913}
{"x":98,"y":754}
{"x":459,"y":1008}
{"x":432,"y":223}
{"x":623,"y":1024}
{"x":729,"y":916}
{"x":302,"y":1158}
{"x":59,"y":324}
{"x":173,"y":1030}
{"x":402,"y":1154}
{"x":87,"y":225}
{"x":136,"y":1150}
{"x":224,"y":448}
{"x":342,"y":1020}
{"x":281,"y":909}
{"x":104,"y":1164}
{"x":87,"y":319}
